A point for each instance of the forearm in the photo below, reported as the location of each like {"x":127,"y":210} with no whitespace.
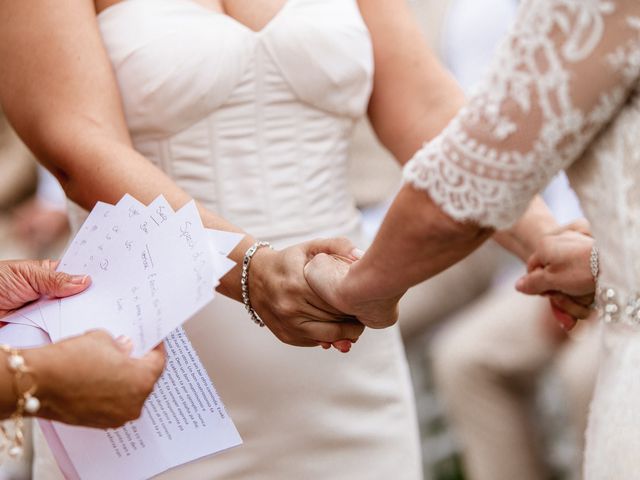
{"x":416,"y":241}
{"x":404,"y":124}
{"x":523,"y":237}
{"x":409,"y":109}
{"x":8,"y":397}
{"x":73,"y":121}
{"x":99,"y":167}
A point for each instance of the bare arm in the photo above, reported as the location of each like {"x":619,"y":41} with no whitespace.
{"x":414,"y":96}
{"x":412,"y":107}
{"x":415,"y":242}
{"x":60,"y":93}
{"x":495,"y":155}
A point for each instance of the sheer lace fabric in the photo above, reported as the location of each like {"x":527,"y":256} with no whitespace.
{"x":561,"y":75}
{"x":562,"y":94}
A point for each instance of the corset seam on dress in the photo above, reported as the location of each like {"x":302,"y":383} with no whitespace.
{"x":215,"y":167}
{"x":259,"y":75}
{"x":298,"y":146}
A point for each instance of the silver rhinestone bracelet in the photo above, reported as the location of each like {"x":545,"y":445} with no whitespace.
{"x":594,"y":264}
{"x":244,"y":281}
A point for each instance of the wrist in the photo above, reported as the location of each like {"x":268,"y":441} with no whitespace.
{"x":361,"y":286}
{"x":249,"y":266}
{"x":9,"y":398}
{"x":230,"y":284}
{"x":43,"y":362}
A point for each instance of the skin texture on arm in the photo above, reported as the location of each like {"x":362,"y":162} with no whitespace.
{"x":413,"y":96}
{"x":402,"y":255}
{"x":59,"y":91}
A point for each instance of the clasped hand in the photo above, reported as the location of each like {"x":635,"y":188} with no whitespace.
{"x":560,"y":270}
{"x":306,"y":297}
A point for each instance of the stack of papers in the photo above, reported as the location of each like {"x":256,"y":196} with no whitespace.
{"x":152,"y":269}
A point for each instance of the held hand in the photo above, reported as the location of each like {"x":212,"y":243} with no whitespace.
{"x":286,"y":303}
{"x":560,"y":269}
{"x":92,"y":381}
{"x":331,"y":277}
{"x":22,"y":282}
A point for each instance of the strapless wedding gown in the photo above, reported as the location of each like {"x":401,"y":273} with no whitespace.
{"x":563,"y":93}
{"x":257,"y":127}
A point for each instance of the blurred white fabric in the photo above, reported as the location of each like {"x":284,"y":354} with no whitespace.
{"x":472,"y":30}
{"x":49,"y":191}
{"x":489,"y":360}
{"x":257,"y":127}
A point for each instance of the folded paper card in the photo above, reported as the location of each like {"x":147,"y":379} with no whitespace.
{"x":151,"y":269}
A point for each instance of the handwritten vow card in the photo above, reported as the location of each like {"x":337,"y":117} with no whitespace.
{"x":152,"y":269}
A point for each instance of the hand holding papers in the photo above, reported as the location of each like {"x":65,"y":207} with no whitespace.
{"x":151,"y":269}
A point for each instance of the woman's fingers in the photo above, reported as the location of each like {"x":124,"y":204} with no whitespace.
{"x":124,"y":344}
{"x":317,"y":306}
{"x":585,"y":300}
{"x":341,"y":247}
{"x":298,"y":311}
{"x":535,"y":282}
{"x":44,"y":280}
{"x":566,"y":321}
{"x":332,"y":332}
{"x":534,"y":262}
{"x":569,"y":306}
{"x":343,"y":345}
{"x":581,"y":226}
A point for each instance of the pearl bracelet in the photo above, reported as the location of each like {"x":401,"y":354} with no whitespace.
{"x":25,"y":388}
{"x":244,"y":281}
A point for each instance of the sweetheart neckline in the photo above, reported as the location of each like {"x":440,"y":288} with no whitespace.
{"x":191,"y":3}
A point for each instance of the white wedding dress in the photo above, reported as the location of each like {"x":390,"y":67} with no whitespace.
{"x":257,"y":126}
{"x":563,"y":94}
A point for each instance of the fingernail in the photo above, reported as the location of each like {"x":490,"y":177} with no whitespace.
{"x":124,"y":340}
{"x":520,"y":284}
{"x":357,"y":253}
{"x":343,"y":345}
{"x":79,"y":279}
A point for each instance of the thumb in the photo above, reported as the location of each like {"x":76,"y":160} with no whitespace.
{"x":155,"y":360}
{"x":534,"y":262}
{"x":343,"y":345}
{"x":322,"y":268}
{"x":534,"y":283}
{"x":124,"y":344}
{"x":46,"y":281}
{"x":342,"y":247}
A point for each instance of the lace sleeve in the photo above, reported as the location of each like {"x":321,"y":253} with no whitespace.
{"x":559,"y":77}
